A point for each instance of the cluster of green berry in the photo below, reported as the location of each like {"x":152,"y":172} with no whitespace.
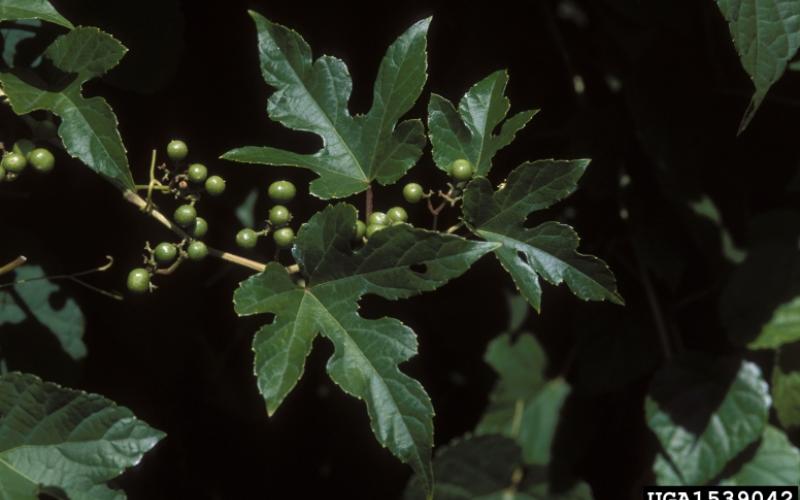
{"x":279,"y":217}
{"x":24,"y":152}
{"x":169,"y":255}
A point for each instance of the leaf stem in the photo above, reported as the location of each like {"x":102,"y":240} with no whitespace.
{"x":7,"y":268}
{"x":368,"y":202}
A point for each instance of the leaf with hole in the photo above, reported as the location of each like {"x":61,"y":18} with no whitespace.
{"x":548,"y":250}
{"x":397,"y":262}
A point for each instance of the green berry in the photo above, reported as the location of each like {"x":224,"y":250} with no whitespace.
{"x":461,"y":170}
{"x":279,"y":215}
{"x":197,"y":250}
{"x":215,"y":185}
{"x":139,"y":280}
{"x":413,"y":192}
{"x":14,"y":162}
{"x":24,"y":147}
{"x":360,"y":230}
{"x":397,"y":214}
{"x":165,"y":252}
{"x":185,"y":215}
{"x":284,"y":237}
{"x":377,"y":218}
{"x":197,"y":172}
{"x":374,"y":228}
{"x":42,"y":160}
{"x":281,"y":191}
{"x":199,"y":228}
{"x":246,"y":238}
{"x":177,"y":150}
{"x":2,"y":173}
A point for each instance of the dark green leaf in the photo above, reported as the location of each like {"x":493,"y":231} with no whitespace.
{"x":31,"y":9}
{"x":548,"y":250}
{"x":66,"y":322}
{"x":705,"y":412}
{"x":766,"y":34}
{"x":312,"y":96}
{"x":52,"y":437}
{"x":397,"y":262}
{"x":88,"y":126}
{"x":783,"y":328}
{"x":469,"y":132}
{"x":786,"y":385}
{"x":776,"y":462}
{"x":539,"y":422}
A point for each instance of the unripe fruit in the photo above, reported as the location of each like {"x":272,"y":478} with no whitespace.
{"x":284,"y":237}
{"x":374,"y":228}
{"x":165,"y":253}
{"x":281,"y":191}
{"x":14,"y":162}
{"x":360,"y":230}
{"x":23,"y":147}
{"x":377,"y":218}
{"x":199,"y":228}
{"x":246,"y":238}
{"x":139,"y":280}
{"x":185,"y":215}
{"x":42,"y":160}
{"x":413,"y":192}
{"x":215,"y":185}
{"x":279,"y":215}
{"x":2,"y":173}
{"x":177,"y":150}
{"x":397,"y":214}
{"x":197,"y":250}
{"x":197,"y":172}
{"x":461,"y":170}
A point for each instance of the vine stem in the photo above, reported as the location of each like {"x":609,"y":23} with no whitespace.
{"x":368,"y":202}
{"x":142,"y":204}
{"x":7,"y":268}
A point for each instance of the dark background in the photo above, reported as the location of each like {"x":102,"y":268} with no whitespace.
{"x":664,"y":96}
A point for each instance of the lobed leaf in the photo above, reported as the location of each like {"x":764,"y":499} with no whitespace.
{"x":766,"y":34}
{"x":469,"y":132}
{"x":88,"y":125}
{"x":397,"y":262}
{"x":548,"y":250}
{"x":313,"y":95}
{"x":704,"y":413}
{"x":67,"y":323}
{"x":57,"y":439}
{"x":11,"y":10}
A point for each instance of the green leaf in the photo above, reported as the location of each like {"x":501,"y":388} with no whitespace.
{"x":57,"y":438}
{"x":469,"y":132}
{"x":548,"y":250}
{"x":88,"y":126}
{"x":520,"y":367}
{"x":11,"y":10}
{"x":539,"y":422}
{"x":786,"y":386}
{"x":783,"y":328}
{"x":776,"y":462}
{"x":766,"y":34}
{"x":67,"y":322}
{"x":704,"y":413}
{"x":312,"y":96}
{"x":478,"y":467}
{"x":397,"y":262}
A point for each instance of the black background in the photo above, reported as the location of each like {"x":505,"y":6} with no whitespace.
{"x":181,"y":359}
